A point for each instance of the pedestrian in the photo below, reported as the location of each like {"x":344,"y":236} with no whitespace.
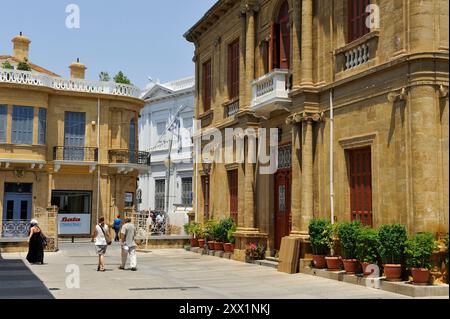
{"x":36,"y":244}
{"x":116,"y":225}
{"x":101,"y":240}
{"x":127,"y":235}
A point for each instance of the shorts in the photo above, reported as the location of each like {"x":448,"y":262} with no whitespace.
{"x":101,"y":249}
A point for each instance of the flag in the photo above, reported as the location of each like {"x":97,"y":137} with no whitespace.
{"x":174,"y":126}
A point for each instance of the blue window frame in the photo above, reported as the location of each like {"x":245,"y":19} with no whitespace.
{"x":74,"y":136}
{"x":42,"y":126}
{"x":3,"y":117}
{"x":132,"y":144}
{"x":22,"y":125}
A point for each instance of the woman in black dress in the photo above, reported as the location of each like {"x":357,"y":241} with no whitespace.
{"x":35,"y":244}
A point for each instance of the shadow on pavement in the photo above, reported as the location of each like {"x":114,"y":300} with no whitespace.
{"x":17,"y":281}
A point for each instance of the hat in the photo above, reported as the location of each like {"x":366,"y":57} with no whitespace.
{"x":34,"y":222}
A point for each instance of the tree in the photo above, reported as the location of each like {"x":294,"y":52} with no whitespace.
{"x":7,"y":65}
{"x":104,"y":76}
{"x":121,"y":78}
{"x":24,"y":66}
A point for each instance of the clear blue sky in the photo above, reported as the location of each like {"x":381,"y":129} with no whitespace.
{"x":140,"y":37}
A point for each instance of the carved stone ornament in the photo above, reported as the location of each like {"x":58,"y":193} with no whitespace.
{"x":304,"y":117}
{"x":249,"y":5}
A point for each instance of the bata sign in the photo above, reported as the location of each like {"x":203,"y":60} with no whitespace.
{"x":74,"y":224}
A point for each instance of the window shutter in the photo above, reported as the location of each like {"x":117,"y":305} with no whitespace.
{"x":3,"y":123}
{"x":357,"y":16}
{"x":42,"y":126}
{"x":22,"y":125}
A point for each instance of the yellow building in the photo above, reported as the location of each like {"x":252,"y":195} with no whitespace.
{"x":276,"y":63}
{"x":70,"y":143}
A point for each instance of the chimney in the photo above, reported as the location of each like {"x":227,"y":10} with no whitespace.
{"x":21,"y":46}
{"x":77,"y":70}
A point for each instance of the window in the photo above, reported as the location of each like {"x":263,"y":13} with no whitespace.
{"x":22,"y":125}
{"x":132,"y":142}
{"x":186,"y":192}
{"x":233,"y":189}
{"x":280,"y":44}
{"x":357,"y":16}
{"x":42,"y":126}
{"x":207,"y":86}
{"x":74,"y":136}
{"x":160,"y":128}
{"x":361,"y":185}
{"x":129,"y":199}
{"x":3,"y":117}
{"x":233,"y":69}
{"x":160,"y":192}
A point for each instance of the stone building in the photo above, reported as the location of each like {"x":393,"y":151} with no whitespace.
{"x":70,"y":143}
{"x":165,"y":126}
{"x":383,"y":67}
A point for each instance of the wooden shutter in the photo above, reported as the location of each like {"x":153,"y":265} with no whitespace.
{"x":361,"y":185}
{"x":233,"y":69}
{"x":207,"y":86}
{"x":357,"y":16}
{"x":274,"y":47}
{"x":284,"y":37}
{"x":233,"y":189}
{"x":3,"y":114}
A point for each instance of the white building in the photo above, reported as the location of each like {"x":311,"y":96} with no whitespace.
{"x":168,"y":114}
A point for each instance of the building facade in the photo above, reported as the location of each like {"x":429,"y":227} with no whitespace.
{"x":69,"y":143}
{"x":287,"y":64}
{"x":166,"y":123}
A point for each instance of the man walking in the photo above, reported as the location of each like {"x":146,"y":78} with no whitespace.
{"x":127,"y":235}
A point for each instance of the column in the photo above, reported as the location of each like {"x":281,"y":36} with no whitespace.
{"x":250,"y":210}
{"x":296,"y":180}
{"x":307,"y":199}
{"x":250,"y":54}
{"x":296,"y":50}
{"x":242,"y":53}
{"x":307,"y":43}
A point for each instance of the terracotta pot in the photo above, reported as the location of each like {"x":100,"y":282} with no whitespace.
{"x":201,"y":243}
{"x":319,"y":261}
{"x":351,"y":266}
{"x":421,"y":276}
{"x":194,"y":242}
{"x":334,"y":263}
{"x":218,"y":246}
{"x":211,"y":245}
{"x":229,"y":248}
{"x":393,"y":272}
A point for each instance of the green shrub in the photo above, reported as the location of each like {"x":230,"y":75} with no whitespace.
{"x":319,"y":232}
{"x":391,"y":243}
{"x":230,"y":234}
{"x":347,"y":233}
{"x":446,"y":249}
{"x":194,"y":229}
{"x":418,"y":250}
{"x":7,"y":65}
{"x":208,"y":229}
{"x":366,"y":245}
{"x":121,"y":78}
{"x":104,"y":76}
{"x":23,"y":66}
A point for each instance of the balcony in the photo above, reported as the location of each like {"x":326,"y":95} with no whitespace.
{"x":270,"y":92}
{"x":231,"y":108}
{"x":73,"y":155}
{"x":126,"y":161}
{"x":72,"y":85}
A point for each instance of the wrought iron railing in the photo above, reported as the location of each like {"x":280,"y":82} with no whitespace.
{"x":14,"y":228}
{"x":75,"y":154}
{"x":129,"y":157}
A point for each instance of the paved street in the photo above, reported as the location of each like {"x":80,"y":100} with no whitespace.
{"x":163,"y":274}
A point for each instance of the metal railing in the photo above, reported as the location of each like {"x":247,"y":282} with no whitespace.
{"x":17,"y":228}
{"x":129,"y":157}
{"x":75,"y":85}
{"x":75,"y":154}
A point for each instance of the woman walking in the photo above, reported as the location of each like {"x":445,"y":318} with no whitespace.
{"x":101,"y":239}
{"x":36,"y":244}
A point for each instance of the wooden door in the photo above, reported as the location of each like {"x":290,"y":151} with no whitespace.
{"x":361,"y":185}
{"x":283,"y":216}
{"x":233,"y":188}
{"x":284,"y":37}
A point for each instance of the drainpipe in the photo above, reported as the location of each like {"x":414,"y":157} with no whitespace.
{"x":98,"y":160}
{"x":331,"y":156}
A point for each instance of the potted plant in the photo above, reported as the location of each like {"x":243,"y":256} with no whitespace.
{"x":200,"y":234}
{"x":318,"y":231}
{"x":254,"y":252}
{"x":391,"y":247}
{"x":366,"y":248}
{"x":190,"y":229}
{"x":347,"y":233}
{"x":220,"y":234}
{"x":334,"y":262}
{"x":229,"y":246}
{"x":209,"y":233}
{"x":418,"y":251}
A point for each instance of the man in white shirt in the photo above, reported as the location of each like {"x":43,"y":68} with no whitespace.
{"x":127,"y":235}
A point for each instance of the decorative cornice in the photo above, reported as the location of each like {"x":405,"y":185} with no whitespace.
{"x":304,"y":117}
{"x":249,"y":6}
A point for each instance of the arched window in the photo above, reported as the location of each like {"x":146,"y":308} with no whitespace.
{"x":132,"y":143}
{"x":281,"y":39}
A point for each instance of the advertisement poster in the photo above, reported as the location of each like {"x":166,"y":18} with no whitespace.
{"x":74,"y":224}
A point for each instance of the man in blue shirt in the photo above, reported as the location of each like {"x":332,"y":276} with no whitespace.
{"x":116,"y":226}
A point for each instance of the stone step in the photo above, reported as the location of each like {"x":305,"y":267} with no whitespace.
{"x":267,"y":263}
{"x":273,"y":259}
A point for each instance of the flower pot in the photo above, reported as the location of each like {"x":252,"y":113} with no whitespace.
{"x":218,"y":246}
{"x":194,"y":242}
{"x":201,"y":243}
{"x":351,"y":266}
{"x":211,"y":245}
{"x":421,"y":276}
{"x":229,"y":248}
{"x":393,"y":272}
{"x":333,"y":263}
{"x":319,"y":261}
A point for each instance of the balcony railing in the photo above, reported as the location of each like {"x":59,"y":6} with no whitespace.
{"x":14,"y":228}
{"x":129,"y":157}
{"x":357,"y":56}
{"x":74,"y":85}
{"x":231,"y":108}
{"x":75,"y":154}
{"x":271,"y":88}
